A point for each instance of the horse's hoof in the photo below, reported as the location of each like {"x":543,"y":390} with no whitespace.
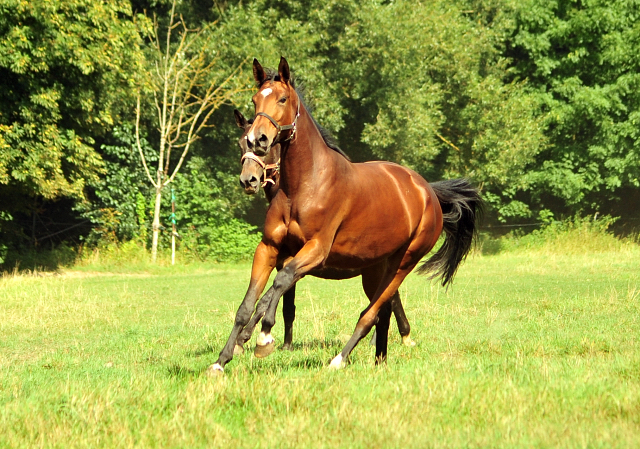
{"x":263,"y":351}
{"x":238,"y":350}
{"x":337,"y":363}
{"x":407,"y":341}
{"x":286,"y":347}
{"x":214,"y":370}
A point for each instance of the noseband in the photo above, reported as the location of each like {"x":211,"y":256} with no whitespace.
{"x":284,"y":127}
{"x":265,"y":167}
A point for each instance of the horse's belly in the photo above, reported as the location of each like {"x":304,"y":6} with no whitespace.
{"x":327,"y":272}
{"x":361,"y":249}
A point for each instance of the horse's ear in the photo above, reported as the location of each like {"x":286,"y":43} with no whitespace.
{"x":283,"y":70}
{"x":240,"y":120}
{"x":258,"y":72}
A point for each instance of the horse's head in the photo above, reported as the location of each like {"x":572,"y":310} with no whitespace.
{"x":256,"y":170}
{"x":277,"y":107}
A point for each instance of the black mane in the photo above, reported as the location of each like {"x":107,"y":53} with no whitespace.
{"x":329,"y":140}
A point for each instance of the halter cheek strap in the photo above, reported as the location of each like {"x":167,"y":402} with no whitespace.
{"x":284,"y":127}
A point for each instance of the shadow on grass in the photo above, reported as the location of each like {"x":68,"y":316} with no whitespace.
{"x":309,"y":345}
{"x":317,"y":344}
{"x":313,"y":362}
{"x":208,"y":349}
{"x":310,"y":361}
{"x":180,"y":372}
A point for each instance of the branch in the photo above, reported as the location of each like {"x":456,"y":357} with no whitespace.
{"x":185,"y":93}
{"x":447,"y":142}
{"x":144,"y":160}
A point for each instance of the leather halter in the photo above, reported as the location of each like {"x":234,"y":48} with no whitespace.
{"x":265,"y":167}
{"x":276,"y":166}
{"x":283,"y":127}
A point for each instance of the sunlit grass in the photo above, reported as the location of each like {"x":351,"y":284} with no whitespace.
{"x":526,"y":349}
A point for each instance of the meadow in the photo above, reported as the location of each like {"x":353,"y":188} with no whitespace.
{"x":531,"y":347}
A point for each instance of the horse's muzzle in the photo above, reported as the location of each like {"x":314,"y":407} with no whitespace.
{"x":250,"y":184}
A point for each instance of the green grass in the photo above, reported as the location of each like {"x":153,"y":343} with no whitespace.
{"x":527,"y":349}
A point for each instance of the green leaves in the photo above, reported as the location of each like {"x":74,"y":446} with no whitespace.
{"x":428,"y":83}
{"x":65,"y":69}
{"x":538,"y":102}
{"x":581,"y":59}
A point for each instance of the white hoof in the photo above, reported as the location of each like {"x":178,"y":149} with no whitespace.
{"x":264,"y":339}
{"x":215,"y":370}
{"x":337,"y":362}
{"x":407,"y":341}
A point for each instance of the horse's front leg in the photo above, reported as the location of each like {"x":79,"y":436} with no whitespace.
{"x":288,"y":312}
{"x":312,"y":254}
{"x":264,"y":261}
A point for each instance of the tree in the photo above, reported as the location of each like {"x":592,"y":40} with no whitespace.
{"x":581,"y":60}
{"x":427,"y":88}
{"x":64,"y":66}
{"x":66,"y":71}
{"x":187,"y":83}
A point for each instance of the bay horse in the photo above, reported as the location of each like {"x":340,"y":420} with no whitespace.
{"x":377,"y":217}
{"x":263,"y":170}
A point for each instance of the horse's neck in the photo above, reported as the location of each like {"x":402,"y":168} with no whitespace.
{"x":270,"y":190}
{"x":302,"y":156}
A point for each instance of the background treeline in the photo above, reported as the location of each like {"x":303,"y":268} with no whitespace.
{"x":538,"y":102}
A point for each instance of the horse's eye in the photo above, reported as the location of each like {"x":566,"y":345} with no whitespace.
{"x":283,"y":100}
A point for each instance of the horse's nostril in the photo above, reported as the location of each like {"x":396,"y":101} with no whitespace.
{"x":253,"y":180}
{"x":263,"y":139}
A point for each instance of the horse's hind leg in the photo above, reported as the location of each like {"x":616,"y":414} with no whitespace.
{"x":382,"y":332}
{"x":371,"y":278}
{"x":398,"y":269}
{"x":368,"y":319}
{"x":401,"y":318}
{"x":370,"y":281}
{"x":289,"y":315}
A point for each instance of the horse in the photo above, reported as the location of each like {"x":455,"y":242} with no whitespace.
{"x":377,"y":217}
{"x":263,"y":171}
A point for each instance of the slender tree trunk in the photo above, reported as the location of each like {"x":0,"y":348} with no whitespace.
{"x":173,"y":228}
{"x":156,"y":223}
{"x":185,"y":100}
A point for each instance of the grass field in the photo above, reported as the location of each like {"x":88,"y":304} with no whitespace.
{"x":528,"y":349}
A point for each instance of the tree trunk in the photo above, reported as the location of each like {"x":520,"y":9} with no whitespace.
{"x":156,"y":223}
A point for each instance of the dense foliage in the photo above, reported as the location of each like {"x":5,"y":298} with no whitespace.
{"x":66,"y":71}
{"x":535,"y":101}
{"x":581,"y":60}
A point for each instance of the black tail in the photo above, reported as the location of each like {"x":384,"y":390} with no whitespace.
{"x":461,"y":210}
